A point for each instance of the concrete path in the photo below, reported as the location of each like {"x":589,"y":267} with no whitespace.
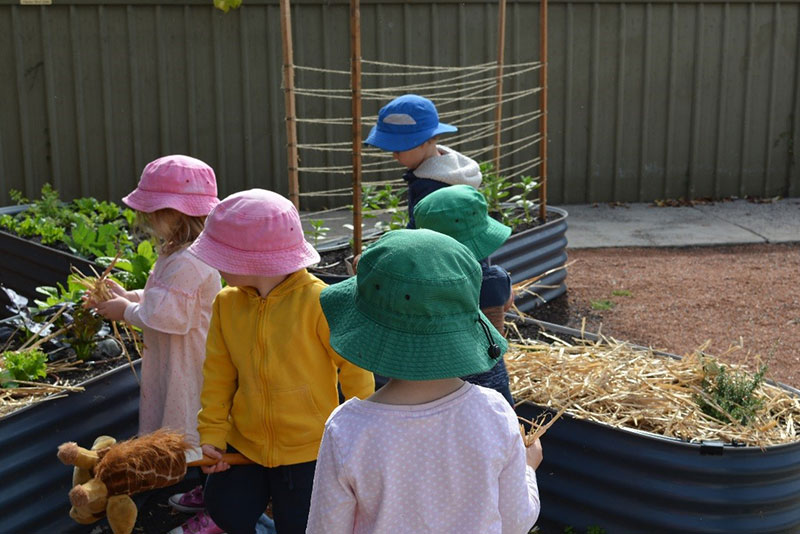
{"x":642,"y":225}
{"x":721,"y":223}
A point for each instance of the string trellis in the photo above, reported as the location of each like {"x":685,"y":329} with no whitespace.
{"x":465,"y":97}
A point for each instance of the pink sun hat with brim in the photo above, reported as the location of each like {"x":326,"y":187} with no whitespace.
{"x":185,"y":184}
{"x":254,"y":232}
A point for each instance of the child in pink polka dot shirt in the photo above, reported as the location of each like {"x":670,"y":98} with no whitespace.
{"x":427,"y":452}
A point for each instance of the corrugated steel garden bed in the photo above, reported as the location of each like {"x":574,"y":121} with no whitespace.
{"x":628,"y":481}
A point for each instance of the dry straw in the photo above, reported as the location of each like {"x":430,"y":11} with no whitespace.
{"x":623,"y":386}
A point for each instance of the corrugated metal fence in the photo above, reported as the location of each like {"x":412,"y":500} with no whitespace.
{"x":647,"y":100}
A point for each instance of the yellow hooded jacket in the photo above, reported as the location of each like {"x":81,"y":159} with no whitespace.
{"x":270,"y":374}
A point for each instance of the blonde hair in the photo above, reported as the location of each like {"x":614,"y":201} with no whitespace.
{"x":172,"y":229}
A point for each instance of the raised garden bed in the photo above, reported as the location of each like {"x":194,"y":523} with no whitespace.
{"x":536,"y":253}
{"x":65,"y":375}
{"x":626,"y":480}
{"x":34,"y":497}
{"x":26,"y":264}
{"x":41,"y":241}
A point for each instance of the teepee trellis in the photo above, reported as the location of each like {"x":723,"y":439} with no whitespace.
{"x":457,"y":85}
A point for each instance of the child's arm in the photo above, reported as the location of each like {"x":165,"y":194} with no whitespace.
{"x":519,"y":493}
{"x":355,"y":381}
{"x":220,"y":379}
{"x":333,"y":504}
{"x":171,"y":304}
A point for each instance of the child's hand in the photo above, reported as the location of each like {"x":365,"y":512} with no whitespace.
{"x":117,"y":290}
{"x":114,"y":309}
{"x":533,"y":454}
{"x":213,"y":452}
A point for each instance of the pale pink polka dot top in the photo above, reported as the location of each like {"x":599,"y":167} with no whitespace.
{"x":453,"y":465}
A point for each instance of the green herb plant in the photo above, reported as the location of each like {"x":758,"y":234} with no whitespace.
{"x":318,"y":231}
{"x":506,"y":197}
{"x":387,"y":199}
{"x":729,"y":396}
{"x":26,"y":365}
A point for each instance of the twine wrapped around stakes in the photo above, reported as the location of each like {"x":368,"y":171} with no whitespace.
{"x":625,"y":387}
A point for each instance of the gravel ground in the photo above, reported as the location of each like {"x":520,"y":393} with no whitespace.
{"x":678,"y":299}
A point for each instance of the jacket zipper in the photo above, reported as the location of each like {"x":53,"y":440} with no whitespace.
{"x":264,"y":375}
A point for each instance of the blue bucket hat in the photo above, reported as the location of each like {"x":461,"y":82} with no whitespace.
{"x":405,"y":123}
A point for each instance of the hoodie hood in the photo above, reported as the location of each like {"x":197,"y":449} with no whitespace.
{"x":450,"y":167}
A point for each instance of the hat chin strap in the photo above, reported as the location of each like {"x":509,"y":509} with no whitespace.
{"x":494,"y":350}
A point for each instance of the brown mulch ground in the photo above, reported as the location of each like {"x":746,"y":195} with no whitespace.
{"x":677,"y":299}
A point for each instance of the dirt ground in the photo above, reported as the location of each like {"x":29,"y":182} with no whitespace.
{"x":678,"y":299}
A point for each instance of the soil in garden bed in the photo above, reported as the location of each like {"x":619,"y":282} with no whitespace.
{"x":333,"y":262}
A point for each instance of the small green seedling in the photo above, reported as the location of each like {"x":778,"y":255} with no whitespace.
{"x":621,"y":293}
{"x":318,"y":230}
{"x":602,"y":304}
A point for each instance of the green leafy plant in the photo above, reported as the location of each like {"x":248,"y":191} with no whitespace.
{"x":226,"y":5}
{"x":621,"y":293}
{"x":27,"y":365}
{"x":88,"y":241}
{"x":73,"y":292}
{"x":318,"y":230}
{"x":729,"y":396}
{"x":135,"y":267}
{"x":602,"y":304}
{"x":505,"y":198}
{"x":81,"y":336}
{"x":387,"y":199}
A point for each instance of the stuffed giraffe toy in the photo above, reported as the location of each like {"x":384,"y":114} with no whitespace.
{"x":105,"y":476}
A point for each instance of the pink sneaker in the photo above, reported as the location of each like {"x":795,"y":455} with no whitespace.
{"x":199,"y":524}
{"x":189,"y":502}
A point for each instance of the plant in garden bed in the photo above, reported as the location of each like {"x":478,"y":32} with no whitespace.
{"x":624,"y":386}
{"x":92,"y":229}
{"x":53,"y":348}
{"x":85,"y":226}
{"x":730,"y":396}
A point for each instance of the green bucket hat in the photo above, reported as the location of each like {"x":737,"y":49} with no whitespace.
{"x":461,"y":212}
{"x":412,"y":310}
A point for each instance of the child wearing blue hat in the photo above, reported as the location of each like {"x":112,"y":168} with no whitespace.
{"x":408,"y":127}
{"x":427,"y":452}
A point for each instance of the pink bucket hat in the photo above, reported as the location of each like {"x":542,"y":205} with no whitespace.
{"x":179,"y":182}
{"x":254,"y":232}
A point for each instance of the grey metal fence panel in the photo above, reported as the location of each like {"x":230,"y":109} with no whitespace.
{"x":647,"y":99}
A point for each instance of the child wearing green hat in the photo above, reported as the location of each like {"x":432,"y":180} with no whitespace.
{"x":461,"y":212}
{"x":409,"y":127}
{"x":427,"y":452}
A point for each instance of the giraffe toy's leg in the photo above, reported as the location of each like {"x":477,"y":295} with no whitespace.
{"x":83,"y":495}
{"x":121,"y":511}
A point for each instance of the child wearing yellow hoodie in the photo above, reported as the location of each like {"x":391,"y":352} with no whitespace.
{"x":270,"y":374}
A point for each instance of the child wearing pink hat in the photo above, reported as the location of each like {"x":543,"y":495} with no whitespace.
{"x":270,"y":372}
{"x":174,"y":195}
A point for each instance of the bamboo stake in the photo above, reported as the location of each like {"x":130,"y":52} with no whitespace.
{"x":355,"y":82}
{"x":498,"y":114}
{"x":289,"y":101}
{"x":543,"y":106}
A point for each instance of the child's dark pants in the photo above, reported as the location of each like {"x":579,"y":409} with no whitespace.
{"x":236,"y":498}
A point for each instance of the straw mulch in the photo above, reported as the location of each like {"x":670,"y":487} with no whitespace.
{"x":616,"y":384}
